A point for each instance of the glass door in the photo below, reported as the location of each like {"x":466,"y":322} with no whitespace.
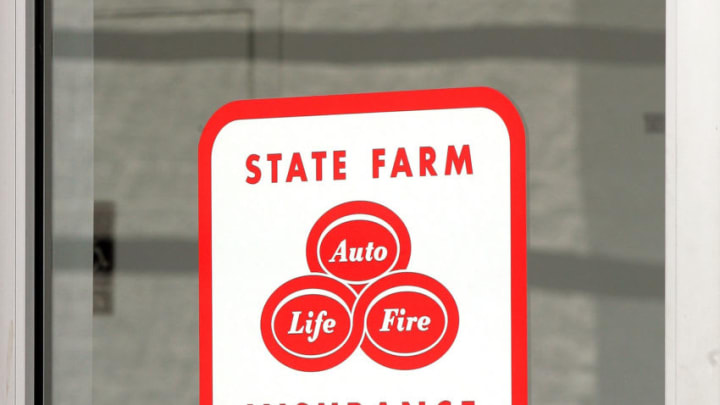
{"x":134,"y":83}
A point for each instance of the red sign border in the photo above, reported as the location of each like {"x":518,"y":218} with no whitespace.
{"x":414,"y":100}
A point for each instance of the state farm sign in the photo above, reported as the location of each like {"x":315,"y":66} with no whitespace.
{"x":364,"y":249}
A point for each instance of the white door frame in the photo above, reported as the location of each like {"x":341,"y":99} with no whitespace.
{"x":16,"y":202}
{"x":692,"y":296}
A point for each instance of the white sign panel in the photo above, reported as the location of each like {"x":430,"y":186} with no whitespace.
{"x":364,"y":249}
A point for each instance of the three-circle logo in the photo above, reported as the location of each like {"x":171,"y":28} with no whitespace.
{"x":360,"y":293}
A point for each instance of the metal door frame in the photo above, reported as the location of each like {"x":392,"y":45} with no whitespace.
{"x":692,"y":201}
{"x":16,"y":202}
{"x":24,"y":209}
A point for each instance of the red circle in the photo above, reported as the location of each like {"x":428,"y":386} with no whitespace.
{"x":402,"y":350}
{"x":293,"y":315}
{"x":358,"y":250}
{"x":399,"y":254}
{"x":312,"y":291}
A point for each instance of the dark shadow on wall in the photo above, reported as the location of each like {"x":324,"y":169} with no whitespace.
{"x":550,"y":271}
{"x":568,"y":43}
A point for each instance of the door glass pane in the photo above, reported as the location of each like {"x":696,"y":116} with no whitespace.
{"x":587,"y":77}
{"x":71,"y":204}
